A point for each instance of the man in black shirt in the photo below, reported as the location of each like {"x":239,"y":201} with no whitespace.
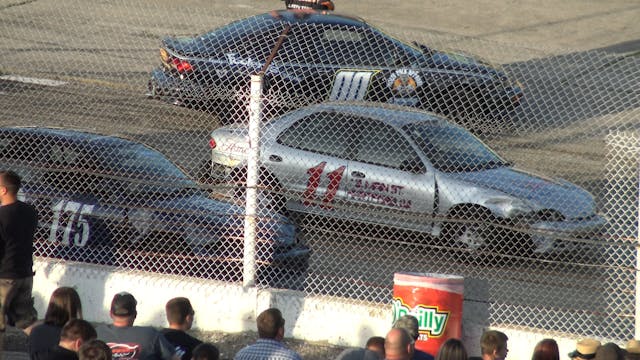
{"x":74,"y":333}
{"x":18,"y":222}
{"x":180,"y":317}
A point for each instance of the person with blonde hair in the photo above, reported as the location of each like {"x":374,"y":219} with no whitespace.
{"x":64,"y":305}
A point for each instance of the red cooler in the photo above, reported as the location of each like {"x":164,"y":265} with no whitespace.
{"x":435,"y":300}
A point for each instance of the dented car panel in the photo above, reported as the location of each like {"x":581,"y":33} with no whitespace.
{"x":406,"y":168}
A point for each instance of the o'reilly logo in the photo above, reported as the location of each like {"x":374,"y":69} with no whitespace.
{"x":432,"y":322}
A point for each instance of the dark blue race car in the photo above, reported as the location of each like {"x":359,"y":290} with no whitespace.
{"x":108,"y":200}
{"x":310,"y":56}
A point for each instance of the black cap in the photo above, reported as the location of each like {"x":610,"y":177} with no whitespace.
{"x":123,"y":304}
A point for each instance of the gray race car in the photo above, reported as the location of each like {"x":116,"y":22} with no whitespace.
{"x":408,"y":169}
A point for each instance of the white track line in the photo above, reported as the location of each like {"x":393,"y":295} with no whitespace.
{"x":28,"y":80}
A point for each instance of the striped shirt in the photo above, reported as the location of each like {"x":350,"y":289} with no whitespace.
{"x":267,"y":349}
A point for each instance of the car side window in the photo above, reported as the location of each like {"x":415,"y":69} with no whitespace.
{"x":324,"y":133}
{"x":256,"y":45}
{"x":381,"y":144}
{"x":301,"y":45}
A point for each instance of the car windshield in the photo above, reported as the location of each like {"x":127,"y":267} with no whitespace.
{"x":137,"y":161}
{"x":452,"y":149}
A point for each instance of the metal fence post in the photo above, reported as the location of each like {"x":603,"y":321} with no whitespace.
{"x":255,"y":114}
{"x":637,"y":327}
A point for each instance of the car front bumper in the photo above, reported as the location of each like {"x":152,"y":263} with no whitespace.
{"x":556,"y":236}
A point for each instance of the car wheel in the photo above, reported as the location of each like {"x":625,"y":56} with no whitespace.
{"x":470,"y":231}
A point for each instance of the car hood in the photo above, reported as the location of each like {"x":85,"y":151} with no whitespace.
{"x":540,"y":192}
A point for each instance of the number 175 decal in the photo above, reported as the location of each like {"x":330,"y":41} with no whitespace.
{"x":70,"y":217}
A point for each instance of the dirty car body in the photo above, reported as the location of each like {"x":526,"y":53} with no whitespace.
{"x":318,"y":56}
{"x":410,"y":169}
{"x":109,"y":200}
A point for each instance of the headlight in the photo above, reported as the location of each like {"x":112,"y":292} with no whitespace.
{"x":509,"y":207}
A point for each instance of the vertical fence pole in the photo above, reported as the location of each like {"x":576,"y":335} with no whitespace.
{"x":255,"y":114}
{"x":637,"y":329}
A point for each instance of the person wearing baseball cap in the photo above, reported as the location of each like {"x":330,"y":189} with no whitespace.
{"x":585,"y":349}
{"x":129,"y":342}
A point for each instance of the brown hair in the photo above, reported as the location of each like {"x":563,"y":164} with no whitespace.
{"x":64,"y":305}
{"x":452,"y":349}
{"x":178,"y":309}
{"x":546,"y":349}
{"x":269,"y":322}
{"x":94,"y":350}
{"x":78,"y":329}
{"x":493,"y":340}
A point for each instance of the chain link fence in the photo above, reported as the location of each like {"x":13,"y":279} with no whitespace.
{"x":378,"y":153}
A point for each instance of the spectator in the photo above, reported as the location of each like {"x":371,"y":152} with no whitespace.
{"x":410,"y":324}
{"x":94,"y":350}
{"x":452,"y":349}
{"x":64,"y":305}
{"x":546,"y":349}
{"x":74,"y":333}
{"x":18,"y":223}
{"x":358,"y":354}
{"x":585,"y":349}
{"x":632,"y":350}
{"x":180,"y":316}
{"x":205,"y":351}
{"x":129,"y":342}
{"x":269,"y":345}
{"x":398,"y":345}
{"x":493,"y":345}
{"x":609,"y":351}
{"x":376,"y":344}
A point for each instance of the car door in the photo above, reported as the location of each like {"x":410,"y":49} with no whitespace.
{"x":308,"y":159}
{"x":386,"y":180}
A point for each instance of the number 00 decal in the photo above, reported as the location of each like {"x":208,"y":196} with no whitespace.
{"x":69,"y":223}
{"x":351,"y":85}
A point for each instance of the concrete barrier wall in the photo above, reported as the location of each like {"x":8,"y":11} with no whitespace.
{"x":231,"y":308}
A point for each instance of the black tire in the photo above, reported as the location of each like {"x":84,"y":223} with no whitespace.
{"x":469,"y":230}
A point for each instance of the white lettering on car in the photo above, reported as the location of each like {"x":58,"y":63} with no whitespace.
{"x":70,"y":223}
{"x":351,"y":85}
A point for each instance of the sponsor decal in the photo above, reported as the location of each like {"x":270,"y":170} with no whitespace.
{"x":380,"y":193}
{"x":124,"y":351}
{"x":236,"y":59}
{"x":431,"y":320}
{"x":351,"y":85}
{"x":404,"y":82}
{"x":236,"y":148}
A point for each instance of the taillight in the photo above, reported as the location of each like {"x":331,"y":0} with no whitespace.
{"x":181,"y":65}
{"x":212,"y":143}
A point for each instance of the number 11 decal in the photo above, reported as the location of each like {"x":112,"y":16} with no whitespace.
{"x":315,"y":174}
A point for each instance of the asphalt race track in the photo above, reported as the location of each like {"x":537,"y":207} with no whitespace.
{"x":579,"y":64}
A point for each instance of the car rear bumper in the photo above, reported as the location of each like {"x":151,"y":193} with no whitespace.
{"x":172,"y":89}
